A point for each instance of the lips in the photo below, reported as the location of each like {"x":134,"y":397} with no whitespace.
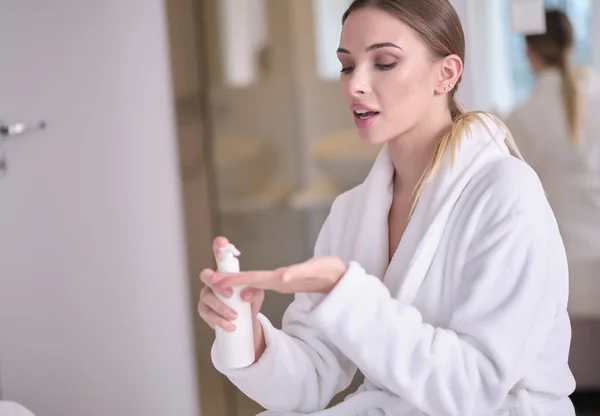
{"x":363,"y":112}
{"x":364,"y":116}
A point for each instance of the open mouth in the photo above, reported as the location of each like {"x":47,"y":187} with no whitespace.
{"x":364,"y":114}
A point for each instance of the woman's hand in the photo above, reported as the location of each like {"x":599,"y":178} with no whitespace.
{"x":317,"y":275}
{"x":214,"y":312}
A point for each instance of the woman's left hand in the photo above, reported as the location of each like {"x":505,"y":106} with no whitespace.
{"x":317,"y":275}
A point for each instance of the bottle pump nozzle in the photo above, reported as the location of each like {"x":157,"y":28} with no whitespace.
{"x":228,"y":262}
{"x":229,"y":252}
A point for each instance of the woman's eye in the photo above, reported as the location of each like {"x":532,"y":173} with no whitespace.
{"x":347,"y":69}
{"x":385,"y":67}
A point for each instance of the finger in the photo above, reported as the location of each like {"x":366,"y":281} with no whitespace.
{"x":219,"y":242}
{"x":202,"y":311}
{"x":206,"y":277}
{"x":256,"y":281}
{"x":213,"y":319}
{"x":209,"y":299}
{"x":251,"y":278}
{"x":250,"y":294}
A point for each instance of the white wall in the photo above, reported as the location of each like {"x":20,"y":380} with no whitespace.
{"x":95,"y":311}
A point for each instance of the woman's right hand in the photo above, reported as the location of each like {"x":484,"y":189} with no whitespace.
{"x":214,"y":312}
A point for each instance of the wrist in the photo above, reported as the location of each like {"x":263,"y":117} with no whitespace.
{"x":341,"y":267}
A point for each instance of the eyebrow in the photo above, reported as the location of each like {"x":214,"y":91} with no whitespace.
{"x":373,"y":47}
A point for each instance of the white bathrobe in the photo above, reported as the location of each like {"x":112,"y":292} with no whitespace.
{"x":571,"y":177}
{"x":468,"y":319}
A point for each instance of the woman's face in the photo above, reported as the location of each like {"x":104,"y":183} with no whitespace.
{"x":389,"y":77}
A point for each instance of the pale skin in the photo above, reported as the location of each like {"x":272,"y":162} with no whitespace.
{"x":388,"y":68}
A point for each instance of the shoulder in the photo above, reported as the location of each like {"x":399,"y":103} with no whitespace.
{"x":512,"y":210}
{"x":534,"y":108}
{"x":519,"y":119}
{"x":516,"y":115}
{"x":591,"y":84}
{"x":508,"y":186}
{"x":345,"y":202}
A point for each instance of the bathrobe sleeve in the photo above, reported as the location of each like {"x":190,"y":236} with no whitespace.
{"x":505,"y":306}
{"x":300,"y":370}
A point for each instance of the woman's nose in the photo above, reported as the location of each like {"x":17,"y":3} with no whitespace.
{"x":359,"y":83}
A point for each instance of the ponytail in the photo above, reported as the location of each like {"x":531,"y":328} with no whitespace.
{"x":456,"y":108}
{"x":571,"y":99}
{"x":553,"y":48}
{"x":461,"y":121}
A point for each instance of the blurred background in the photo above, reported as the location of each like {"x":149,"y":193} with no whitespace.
{"x":169,"y":123}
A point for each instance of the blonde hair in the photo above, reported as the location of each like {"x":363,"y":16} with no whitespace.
{"x":572,"y":100}
{"x":553,"y":48}
{"x":450,"y":141}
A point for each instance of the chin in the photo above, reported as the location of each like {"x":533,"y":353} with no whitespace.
{"x":372,"y":137}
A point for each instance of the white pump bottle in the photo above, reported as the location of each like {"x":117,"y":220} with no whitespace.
{"x":235,"y":349}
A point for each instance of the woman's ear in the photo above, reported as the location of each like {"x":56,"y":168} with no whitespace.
{"x":451,"y":68}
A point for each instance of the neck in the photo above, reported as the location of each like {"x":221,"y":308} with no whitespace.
{"x":412,"y":151}
{"x":538,"y":68}
{"x":544,"y":69}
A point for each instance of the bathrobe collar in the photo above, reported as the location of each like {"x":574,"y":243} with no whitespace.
{"x":417,"y":248}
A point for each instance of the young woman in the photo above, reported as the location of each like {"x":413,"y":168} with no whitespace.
{"x":442,"y":277}
{"x":560,"y":138}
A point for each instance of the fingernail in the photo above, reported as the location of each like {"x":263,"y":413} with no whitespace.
{"x":247,"y":297}
{"x":231,"y":328}
{"x":228,"y":293}
{"x":232,"y":315}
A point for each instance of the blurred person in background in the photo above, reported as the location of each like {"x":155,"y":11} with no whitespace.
{"x":442,"y":277}
{"x":558,"y":132}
